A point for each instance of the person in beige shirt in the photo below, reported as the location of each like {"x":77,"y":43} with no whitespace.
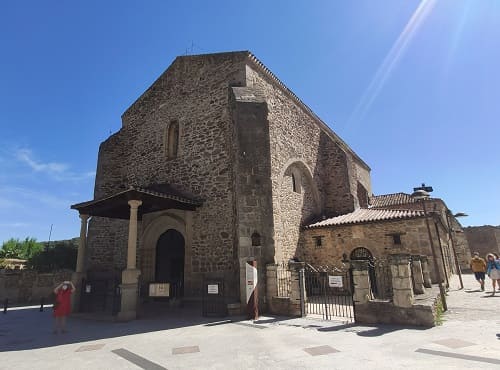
{"x":478,"y":267}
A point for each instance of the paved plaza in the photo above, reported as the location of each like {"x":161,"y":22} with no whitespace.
{"x":468,"y":338}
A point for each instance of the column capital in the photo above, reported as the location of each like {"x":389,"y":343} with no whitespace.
{"x":134,"y":203}
{"x":84,"y":217}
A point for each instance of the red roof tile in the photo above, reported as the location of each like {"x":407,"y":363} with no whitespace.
{"x":386,"y":200}
{"x":368,"y":215}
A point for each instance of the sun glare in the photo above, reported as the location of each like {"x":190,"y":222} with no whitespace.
{"x":390,"y":62}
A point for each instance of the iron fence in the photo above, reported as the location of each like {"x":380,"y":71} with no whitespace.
{"x":284,"y":279}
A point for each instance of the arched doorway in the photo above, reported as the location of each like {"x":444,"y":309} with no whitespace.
{"x":169,"y":266}
{"x":363,"y":254}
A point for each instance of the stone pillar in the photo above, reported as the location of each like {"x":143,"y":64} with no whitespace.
{"x":130,"y":276}
{"x":297,"y":289}
{"x":132,"y":234}
{"x":418,"y":277}
{"x":80,"y":259}
{"x":79,"y":273}
{"x":424,"y":260}
{"x":271,"y":282}
{"x":402,"y":289}
{"x":361,"y":280}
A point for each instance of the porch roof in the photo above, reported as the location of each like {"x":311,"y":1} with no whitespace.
{"x":154,"y":198}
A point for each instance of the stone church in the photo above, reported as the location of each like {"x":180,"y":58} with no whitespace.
{"x":215,"y":164}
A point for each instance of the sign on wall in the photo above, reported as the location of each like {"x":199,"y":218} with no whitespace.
{"x":159,"y":290}
{"x":213,"y":289}
{"x":251,"y":280}
{"x":335,"y":281}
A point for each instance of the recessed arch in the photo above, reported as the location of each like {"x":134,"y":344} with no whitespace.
{"x":298,"y":167}
{"x":169,"y":261}
{"x":171,"y":140}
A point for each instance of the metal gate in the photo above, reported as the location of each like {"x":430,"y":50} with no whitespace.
{"x":329,"y":292}
{"x":100,"y":295}
{"x":213,"y":298}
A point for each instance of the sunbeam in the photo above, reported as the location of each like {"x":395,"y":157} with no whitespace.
{"x":390,"y":62}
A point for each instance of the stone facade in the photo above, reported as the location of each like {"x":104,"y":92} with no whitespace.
{"x":483,"y":239}
{"x":377,"y":237}
{"x":262,"y":163}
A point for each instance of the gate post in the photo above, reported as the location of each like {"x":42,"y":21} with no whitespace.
{"x":361,"y":280}
{"x":425,"y":271}
{"x":297,"y":291}
{"x":271,"y":282}
{"x":418,"y":278}
{"x":401,"y":280}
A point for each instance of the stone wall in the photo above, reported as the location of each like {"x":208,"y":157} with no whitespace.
{"x":377,"y":238}
{"x":28,"y":286}
{"x":302,"y":145}
{"x":193,"y":91}
{"x":483,"y":239}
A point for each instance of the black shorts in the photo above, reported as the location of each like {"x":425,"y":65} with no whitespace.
{"x":479,"y":275}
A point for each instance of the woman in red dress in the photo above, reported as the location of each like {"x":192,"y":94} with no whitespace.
{"x":62,"y":305}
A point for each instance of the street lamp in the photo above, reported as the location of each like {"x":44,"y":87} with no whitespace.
{"x":422,"y":195}
{"x":448,"y":215}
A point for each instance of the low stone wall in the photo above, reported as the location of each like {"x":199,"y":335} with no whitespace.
{"x":28,"y":286}
{"x":279,"y":306}
{"x":421,"y":313}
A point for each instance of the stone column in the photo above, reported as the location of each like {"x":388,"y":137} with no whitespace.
{"x":418,"y":277}
{"x":130,"y":276}
{"x":424,"y":260}
{"x":271,"y":282}
{"x":79,"y":273}
{"x":132,"y":234}
{"x":401,"y":280}
{"x":361,"y":280}
{"x":297,"y":289}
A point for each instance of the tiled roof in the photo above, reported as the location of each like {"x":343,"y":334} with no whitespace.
{"x":386,"y":200}
{"x":368,"y":215}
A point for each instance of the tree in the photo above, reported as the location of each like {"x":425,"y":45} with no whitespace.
{"x":15,"y":248}
{"x":54,"y":258}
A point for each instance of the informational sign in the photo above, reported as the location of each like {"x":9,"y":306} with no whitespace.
{"x":213,"y":289}
{"x":335,"y":281}
{"x":159,"y":290}
{"x":251,"y":280}
{"x":88,"y":288}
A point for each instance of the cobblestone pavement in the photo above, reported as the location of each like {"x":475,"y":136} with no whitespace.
{"x":468,"y":338}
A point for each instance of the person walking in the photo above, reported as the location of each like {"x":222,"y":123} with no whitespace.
{"x":478,"y":267}
{"x":493,"y":270}
{"x":62,"y":305}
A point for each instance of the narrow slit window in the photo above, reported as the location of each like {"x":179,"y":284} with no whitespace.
{"x":173,"y":140}
{"x":295,"y":182}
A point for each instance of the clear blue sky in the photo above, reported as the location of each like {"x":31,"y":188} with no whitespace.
{"x":412,"y":86}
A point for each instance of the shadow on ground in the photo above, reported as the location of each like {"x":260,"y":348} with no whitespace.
{"x":31,"y":329}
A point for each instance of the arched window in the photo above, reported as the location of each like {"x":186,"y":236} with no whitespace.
{"x":172,"y":140}
{"x":361,"y":253}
